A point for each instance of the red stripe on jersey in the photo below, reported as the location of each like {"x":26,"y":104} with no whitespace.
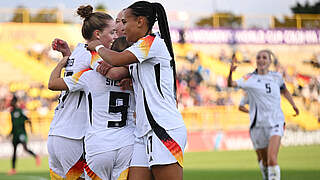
{"x":175,"y":149}
{"x":91,"y":174}
{"x":77,"y":75}
{"x":162,"y":134}
{"x":94,"y":57}
{"x":77,"y":170}
{"x":145,"y":45}
{"x":246,"y":77}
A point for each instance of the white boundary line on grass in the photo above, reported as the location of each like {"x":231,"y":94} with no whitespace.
{"x":29,"y":177}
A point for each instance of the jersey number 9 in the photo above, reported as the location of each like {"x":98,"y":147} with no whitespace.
{"x":119,"y":103}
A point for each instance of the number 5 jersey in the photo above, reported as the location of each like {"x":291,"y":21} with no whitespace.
{"x":264,"y":98}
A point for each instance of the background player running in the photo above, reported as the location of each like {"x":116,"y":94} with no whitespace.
{"x":18,"y":133}
{"x":263,"y":88}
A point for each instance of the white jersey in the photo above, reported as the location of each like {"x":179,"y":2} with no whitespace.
{"x":70,"y":118}
{"x":153,"y":83}
{"x":264,"y":98}
{"x":110,"y":111}
{"x":244,"y":100}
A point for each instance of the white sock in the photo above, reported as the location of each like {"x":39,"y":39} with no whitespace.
{"x":274,"y":172}
{"x":264,"y":170}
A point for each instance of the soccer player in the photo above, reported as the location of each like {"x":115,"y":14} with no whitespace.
{"x":263,"y":88}
{"x":18,"y":133}
{"x":109,"y":138}
{"x":119,"y":25}
{"x":69,"y":125}
{"x":161,"y":133}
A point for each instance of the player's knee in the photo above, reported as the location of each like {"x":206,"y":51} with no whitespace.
{"x":272,"y":161}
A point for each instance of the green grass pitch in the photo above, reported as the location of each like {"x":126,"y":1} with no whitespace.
{"x":296,"y":163}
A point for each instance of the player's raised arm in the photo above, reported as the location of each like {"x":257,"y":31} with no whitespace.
{"x":56,"y":83}
{"x":112,"y":57}
{"x":61,"y":46}
{"x":231,"y":83}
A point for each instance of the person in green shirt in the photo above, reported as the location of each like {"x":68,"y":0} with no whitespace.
{"x":18,"y":133}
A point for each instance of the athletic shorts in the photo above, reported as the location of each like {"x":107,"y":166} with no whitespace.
{"x":152,"y":150}
{"x":260,"y":136}
{"x":65,"y":157}
{"x":19,"y":138}
{"x":110,"y":165}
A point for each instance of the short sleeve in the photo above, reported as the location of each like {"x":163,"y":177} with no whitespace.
{"x":240,"y":82}
{"x":80,"y":58}
{"x":77,"y":81}
{"x":243,"y":82}
{"x":144,"y":48}
{"x":95,"y":58}
{"x":244,"y":100}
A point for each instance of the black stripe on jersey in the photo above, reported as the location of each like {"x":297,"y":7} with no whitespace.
{"x":65,"y":96}
{"x":158,"y":130}
{"x":255,"y":118}
{"x":80,"y":98}
{"x":173,"y":66}
{"x":157,"y":74}
{"x":90,"y":107}
{"x":131,"y":70}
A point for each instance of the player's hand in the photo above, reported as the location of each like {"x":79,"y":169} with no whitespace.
{"x":103,"y":68}
{"x":61,"y":46}
{"x":126,"y":84}
{"x":234,"y":61}
{"x":296,"y":110}
{"x":92,"y":45}
{"x":63,"y":62}
{"x":233,"y":67}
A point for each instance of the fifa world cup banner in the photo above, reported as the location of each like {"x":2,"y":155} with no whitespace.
{"x":247,"y":36}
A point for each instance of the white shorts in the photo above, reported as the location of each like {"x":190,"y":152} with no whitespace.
{"x":65,"y":157}
{"x":149,"y":150}
{"x":111,"y":165}
{"x":260,"y":136}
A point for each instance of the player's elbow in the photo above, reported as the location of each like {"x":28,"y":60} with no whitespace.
{"x":53,"y":86}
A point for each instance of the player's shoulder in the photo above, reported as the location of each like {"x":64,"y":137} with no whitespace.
{"x":275,"y":74}
{"x":80,"y":49}
{"x":80,"y":58}
{"x":146,"y":41}
{"x":249,"y":75}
